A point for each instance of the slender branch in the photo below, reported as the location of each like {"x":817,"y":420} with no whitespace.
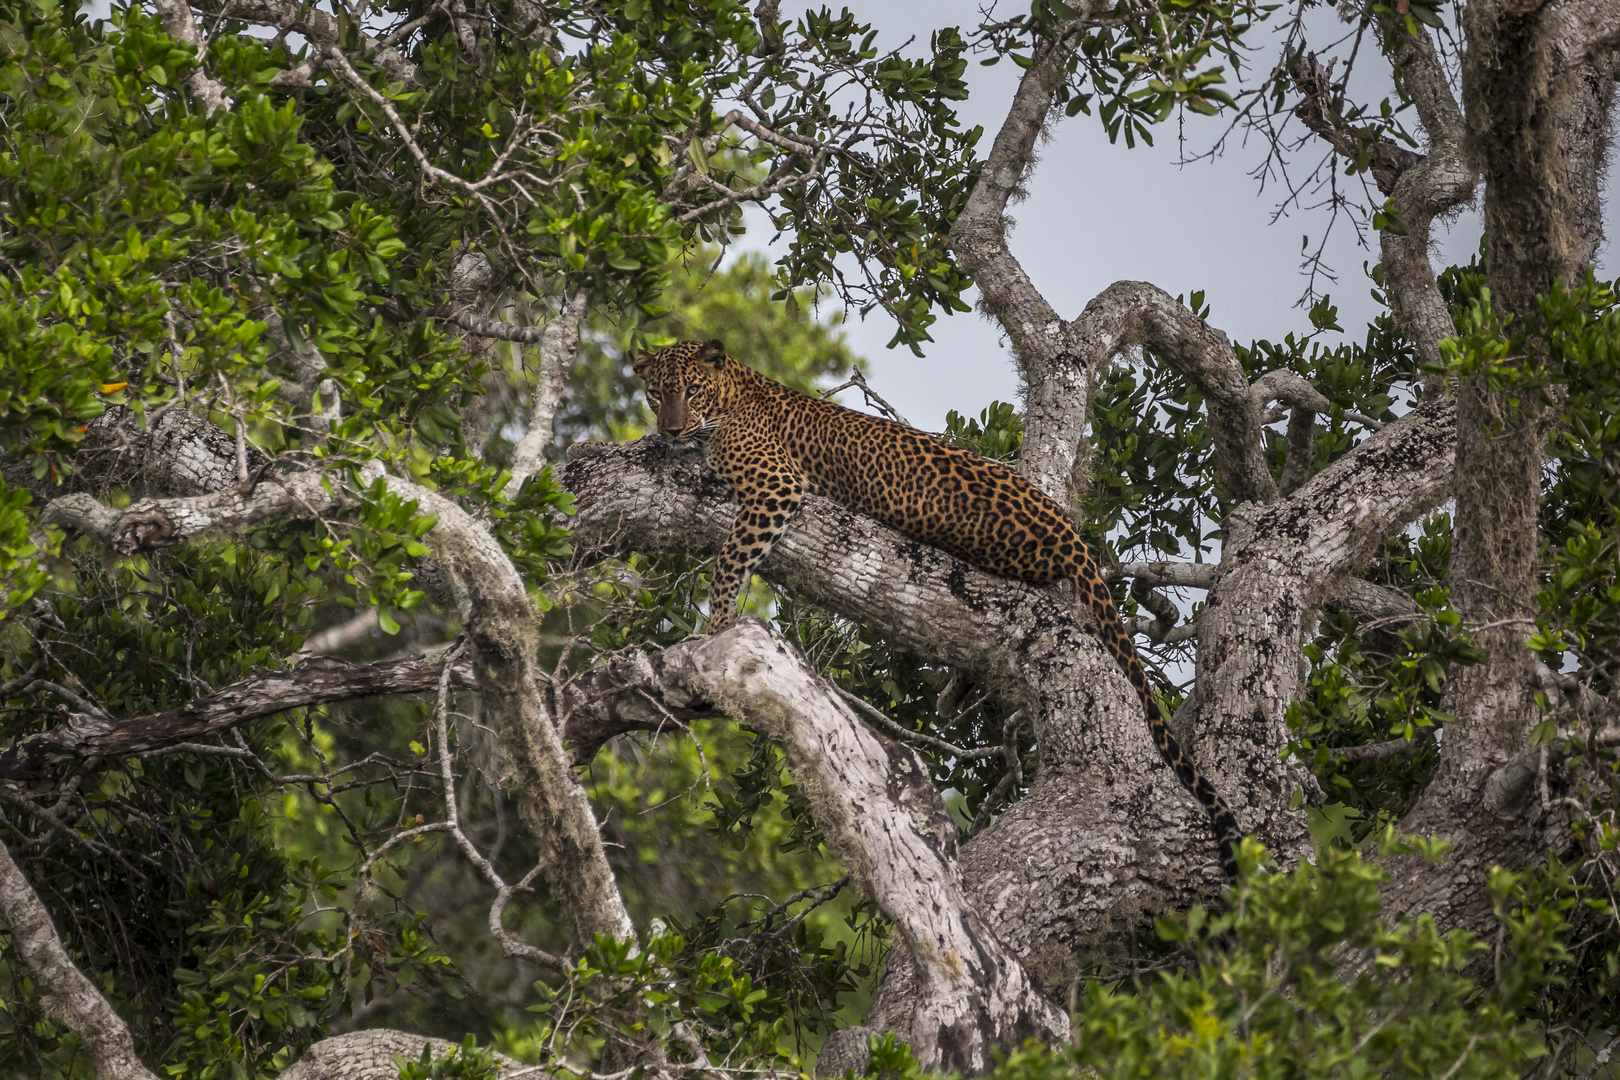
{"x":559,"y":344}
{"x":510,"y":946}
{"x":858,"y":381}
{"x":318,"y":681}
{"x":905,"y":734}
{"x":1421,"y":737}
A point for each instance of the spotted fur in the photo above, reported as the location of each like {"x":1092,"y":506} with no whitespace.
{"x":772,"y":444}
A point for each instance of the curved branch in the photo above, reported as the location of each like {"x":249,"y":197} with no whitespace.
{"x":1131,"y":313}
{"x":1280,"y":564}
{"x":1420,"y":186}
{"x":68,"y":996}
{"x":887,"y":825}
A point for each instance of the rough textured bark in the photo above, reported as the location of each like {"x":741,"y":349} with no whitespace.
{"x":178,"y":24}
{"x":69,"y":997}
{"x":1130,"y":313}
{"x":886,"y":823}
{"x":1280,"y":564}
{"x":1056,"y":383}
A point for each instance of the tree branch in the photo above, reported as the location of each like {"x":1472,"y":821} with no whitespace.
{"x":317,"y":681}
{"x":68,"y":996}
{"x":179,"y":24}
{"x":886,"y":824}
{"x":1131,"y":313}
{"x":370,"y":1055}
{"x":1420,"y":186}
{"x":1054,"y":377}
{"x":1390,"y":748}
{"x":1280,"y":565}
{"x":558,"y":347}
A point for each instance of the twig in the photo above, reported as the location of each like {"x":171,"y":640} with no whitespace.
{"x":907,"y":735}
{"x":857,"y":380}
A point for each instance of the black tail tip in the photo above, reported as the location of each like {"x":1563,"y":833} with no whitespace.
{"x":1229,"y":862}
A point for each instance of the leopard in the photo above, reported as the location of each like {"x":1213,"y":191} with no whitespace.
{"x":772,"y":445}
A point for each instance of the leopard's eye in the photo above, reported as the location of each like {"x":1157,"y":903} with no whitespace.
{"x":691,"y":391}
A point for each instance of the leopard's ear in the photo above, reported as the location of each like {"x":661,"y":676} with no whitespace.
{"x":642,"y":362}
{"x":712,"y":354}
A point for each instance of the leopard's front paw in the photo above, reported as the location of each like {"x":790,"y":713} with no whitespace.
{"x":718,"y":621}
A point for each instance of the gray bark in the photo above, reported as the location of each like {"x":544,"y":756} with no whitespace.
{"x":370,"y":1055}
{"x":1537,"y":89}
{"x":874,"y":802}
{"x":68,"y":997}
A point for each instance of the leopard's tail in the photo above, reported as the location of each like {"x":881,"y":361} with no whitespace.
{"x":1228,"y":834}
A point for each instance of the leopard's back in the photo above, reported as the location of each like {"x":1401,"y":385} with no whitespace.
{"x":975,"y":508}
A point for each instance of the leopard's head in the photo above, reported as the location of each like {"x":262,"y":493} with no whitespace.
{"x":684,"y":383}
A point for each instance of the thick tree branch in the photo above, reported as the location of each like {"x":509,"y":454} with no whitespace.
{"x":369,"y":1055}
{"x":888,"y":826}
{"x":1442,"y":181}
{"x":155,"y":523}
{"x":1280,"y":564}
{"x":501,"y":625}
{"x":1591,"y":29}
{"x":1104,"y":823}
{"x":1055,"y":379}
{"x":68,"y":996}
{"x":1131,"y":313}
